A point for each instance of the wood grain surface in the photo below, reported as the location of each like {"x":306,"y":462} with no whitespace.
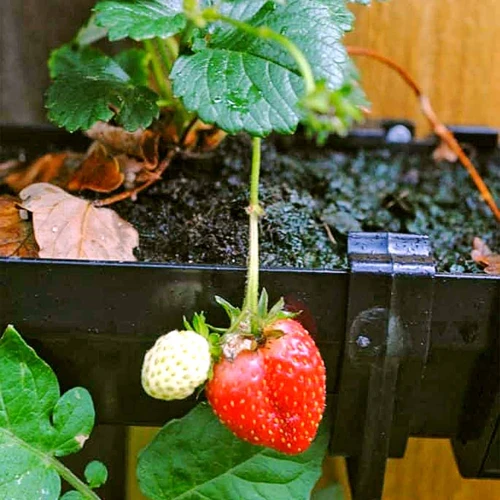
{"x":427,"y":472}
{"x":452,"y":48}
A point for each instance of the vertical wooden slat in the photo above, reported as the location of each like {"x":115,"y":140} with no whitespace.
{"x":452,"y":47}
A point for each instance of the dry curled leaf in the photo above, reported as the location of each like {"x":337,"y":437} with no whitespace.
{"x":99,"y":172}
{"x":443,"y":152}
{"x":16,"y":233}
{"x":141,"y":144}
{"x":483,"y":255}
{"x":67,"y":227}
{"x":56,"y":168}
{"x":202,"y":137}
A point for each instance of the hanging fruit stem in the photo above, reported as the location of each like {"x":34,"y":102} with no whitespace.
{"x":254,"y":212}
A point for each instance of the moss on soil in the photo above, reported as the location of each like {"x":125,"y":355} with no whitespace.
{"x":197,"y":215}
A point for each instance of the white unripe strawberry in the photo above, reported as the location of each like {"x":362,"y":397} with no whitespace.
{"x":176,"y":365}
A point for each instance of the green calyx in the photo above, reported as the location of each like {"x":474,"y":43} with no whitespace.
{"x":210,"y":333}
{"x":244,"y":322}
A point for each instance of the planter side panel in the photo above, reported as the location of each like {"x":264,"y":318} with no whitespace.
{"x":94,"y":322}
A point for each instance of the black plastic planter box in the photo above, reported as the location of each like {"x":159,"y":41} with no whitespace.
{"x":409,"y":352}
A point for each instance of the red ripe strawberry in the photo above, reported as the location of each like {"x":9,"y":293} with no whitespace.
{"x":272,"y":395}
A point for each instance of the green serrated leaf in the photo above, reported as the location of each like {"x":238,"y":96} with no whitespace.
{"x":140,"y":19}
{"x":96,"y":474}
{"x":90,"y":86}
{"x":67,"y":58}
{"x":197,"y":457}
{"x":36,"y":424}
{"x":228,"y":89}
{"x":135,"y":62}
{"x":242,"y":82}
{"x":90,"y":33}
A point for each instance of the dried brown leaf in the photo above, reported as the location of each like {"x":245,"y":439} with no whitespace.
{"x":202,"y":137}
{"x":53,"y":167}
{"x":444,"y":153}
{"x":16,"y":233}
{"x":141,"y":144}
{"x":482,"y":254}
{"x":99,"y":172}
{"x":67,"y":227}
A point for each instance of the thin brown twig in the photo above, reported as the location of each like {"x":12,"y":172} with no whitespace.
{"x":329,"y":233}
{"x":132,"y":193}
{"x":439,"y":128}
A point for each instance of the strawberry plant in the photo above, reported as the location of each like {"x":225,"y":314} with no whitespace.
{"x":196,"y":71}
{"x":205,"y":69}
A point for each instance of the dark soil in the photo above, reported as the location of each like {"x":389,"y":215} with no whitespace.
{"x":197,"y":214}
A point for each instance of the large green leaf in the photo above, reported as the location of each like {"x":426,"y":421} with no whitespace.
{"x":90,"y":86}
{"x":36,"y":424}
{"x":197,"y":457}
{"x":242,"y":82}
{"x":238,"y":91}
{"x":140,"y":19}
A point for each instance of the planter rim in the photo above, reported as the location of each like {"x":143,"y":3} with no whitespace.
{"x":216,"y":267}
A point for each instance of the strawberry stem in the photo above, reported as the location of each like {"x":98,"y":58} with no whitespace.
{"x":156,"y":66}
{"x":251,"y":303}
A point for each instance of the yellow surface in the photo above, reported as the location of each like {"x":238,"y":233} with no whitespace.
{"x":139,"y":437}
{"x":452,"y":48}
{"x":428,"y":472}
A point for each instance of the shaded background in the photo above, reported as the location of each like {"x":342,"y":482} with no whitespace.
{"x":452,"y":47}
{"x":29,"y":30}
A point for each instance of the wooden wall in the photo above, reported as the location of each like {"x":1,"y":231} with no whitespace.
{"x":452,"y":47}
{"x":427,"y":472}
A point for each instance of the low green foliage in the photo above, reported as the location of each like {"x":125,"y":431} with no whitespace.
{"x":36,"y":423}
{"x":90,"y":86}
{"x":96,"y":474}
{"x":191,"y":457}
{"x":140,"y":19}
{"x":180,"y":463}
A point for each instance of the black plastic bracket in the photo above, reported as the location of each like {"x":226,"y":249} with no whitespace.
{"x":386,"y":346}
{"x":477,"y":444}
